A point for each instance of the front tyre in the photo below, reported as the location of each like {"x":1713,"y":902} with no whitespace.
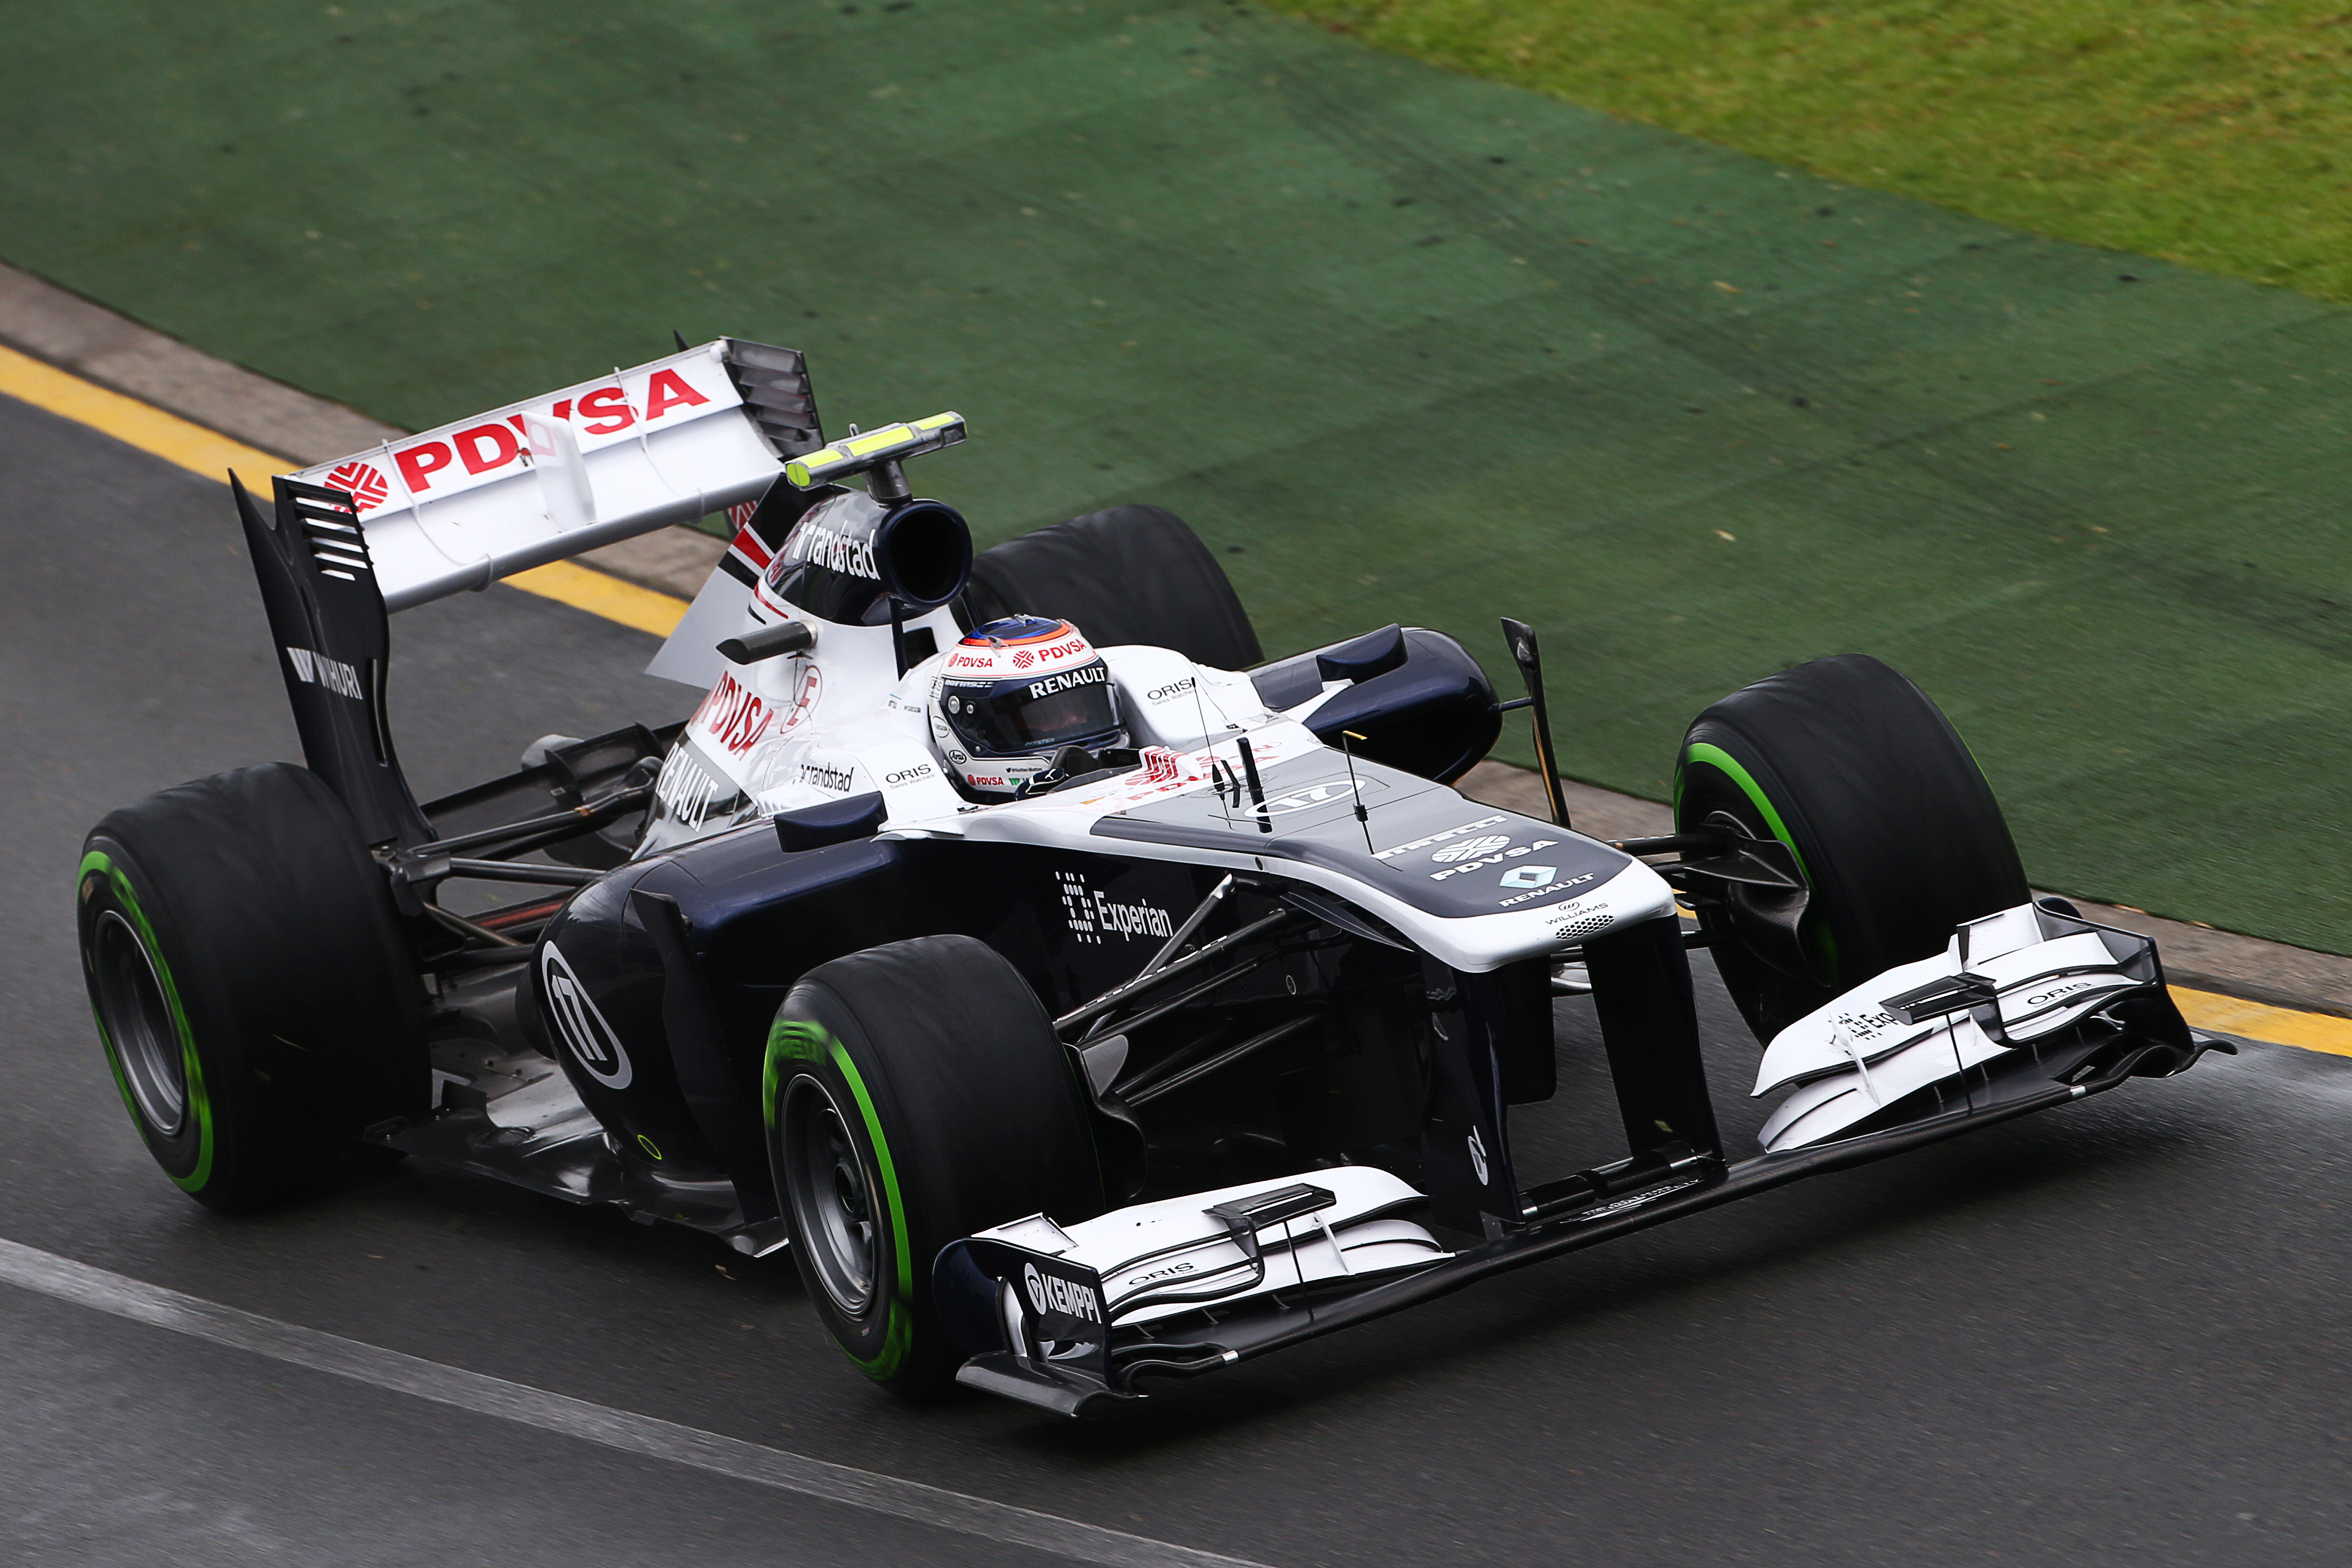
{"x":916,"y":1093}
{"x":256,"y":1002}
{"x":1898,"y":834}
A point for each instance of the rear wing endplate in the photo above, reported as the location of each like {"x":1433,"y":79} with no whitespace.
{"x":552,"y":476}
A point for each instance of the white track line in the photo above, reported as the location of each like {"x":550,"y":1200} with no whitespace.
{"x":79,"y":1283}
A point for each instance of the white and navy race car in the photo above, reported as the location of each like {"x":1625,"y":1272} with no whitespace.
{"x":1076,"y":995}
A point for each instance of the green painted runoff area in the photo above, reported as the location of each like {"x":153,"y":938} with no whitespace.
{"x":1405,"y":344}
{"x":2208,"y":131}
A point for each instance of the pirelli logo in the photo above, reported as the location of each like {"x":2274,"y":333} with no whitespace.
{"x":317,"y":669}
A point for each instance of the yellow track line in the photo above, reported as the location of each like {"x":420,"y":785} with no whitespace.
{"x":212,"y":454}
{"x":2223,"y":1015}
{"x":137,"y":424}
{"x":601,"y":593}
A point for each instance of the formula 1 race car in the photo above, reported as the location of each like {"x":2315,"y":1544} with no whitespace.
{"x":1078,"y":996}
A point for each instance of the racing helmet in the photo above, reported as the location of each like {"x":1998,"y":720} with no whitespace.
{"x":1011,"y":694}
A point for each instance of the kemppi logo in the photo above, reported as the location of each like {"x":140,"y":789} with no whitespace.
{"x":1051,"y":1293}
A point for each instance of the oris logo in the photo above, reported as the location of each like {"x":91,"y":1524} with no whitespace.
{"x":580,"y":1026}
{"x":1022,"y":658}
{"x":909,"y":775}
{"x":1474,"y":847}
{"x":1051,"y":1293}
{"x":2060,"y":992}
{"x":364,"y":482}
{"x":1172,"y":1271}
{"x":1172,"y":689}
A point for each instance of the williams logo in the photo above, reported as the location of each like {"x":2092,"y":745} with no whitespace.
{"x":583,"y":1028}
{"x":317,"y":669}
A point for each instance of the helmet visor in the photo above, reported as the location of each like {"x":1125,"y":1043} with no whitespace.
{"x":1017,"y":718}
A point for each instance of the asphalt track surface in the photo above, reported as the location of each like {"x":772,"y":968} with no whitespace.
{"x":2113,"y":1334}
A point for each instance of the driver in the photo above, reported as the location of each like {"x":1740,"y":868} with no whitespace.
{"x":1012,"y":695}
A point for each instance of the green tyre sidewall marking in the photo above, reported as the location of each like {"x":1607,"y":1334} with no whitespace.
{"x":799,"y":1041}
{"x":98,"y":863}
{"x":1729,"y":766}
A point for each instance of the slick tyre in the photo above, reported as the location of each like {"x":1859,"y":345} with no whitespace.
{"x":1898,"y":834}
{"x":916,"y":1093}
{"x":253,"y":994}
{"x":1124,"y":575}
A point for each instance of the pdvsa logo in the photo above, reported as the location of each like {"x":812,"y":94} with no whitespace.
{"x":364,"y":482}
{"x":1022,"y":658}
{"x":1474,"y":847}
{"x":734,"y":715}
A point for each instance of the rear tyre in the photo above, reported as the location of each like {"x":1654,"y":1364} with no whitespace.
{"x":916,"y":1093}
{"x":255,"y":998}
{"x":1898,"y":834}
{"x":1124,"y":575}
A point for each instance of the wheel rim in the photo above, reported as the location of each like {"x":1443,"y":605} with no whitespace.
{"x":834,"y":1217}
{"x":139,"y":1022}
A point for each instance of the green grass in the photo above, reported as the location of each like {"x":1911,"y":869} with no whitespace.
{"x":2216,"y":134}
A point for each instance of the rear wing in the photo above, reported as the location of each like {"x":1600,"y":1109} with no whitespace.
{"x":545,"y":479}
